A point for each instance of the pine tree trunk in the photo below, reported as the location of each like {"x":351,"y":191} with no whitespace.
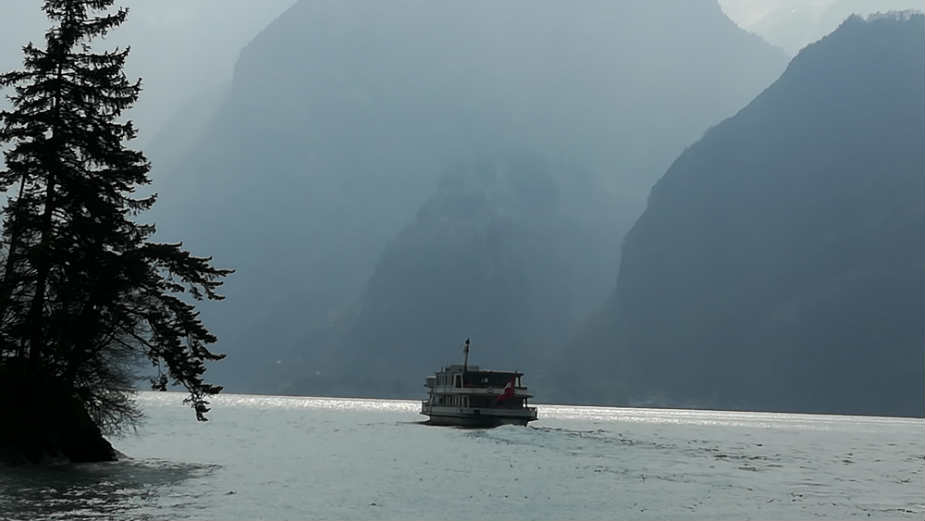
{"x":36,"y":311}
{"x":7,"y":284}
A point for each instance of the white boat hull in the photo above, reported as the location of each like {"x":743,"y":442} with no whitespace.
{"x":477,"y":417}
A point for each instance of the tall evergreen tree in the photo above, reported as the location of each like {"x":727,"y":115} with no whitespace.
{"x":84,"y":293}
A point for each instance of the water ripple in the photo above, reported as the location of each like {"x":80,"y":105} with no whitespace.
{"x":121,"y":489}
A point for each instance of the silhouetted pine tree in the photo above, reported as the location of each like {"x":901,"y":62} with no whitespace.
{"x":84,"y":295}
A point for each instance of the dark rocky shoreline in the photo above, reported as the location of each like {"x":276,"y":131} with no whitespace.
{"x":43,"y":423}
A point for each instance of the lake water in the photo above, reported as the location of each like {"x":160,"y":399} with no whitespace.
{"x":263,"y":457}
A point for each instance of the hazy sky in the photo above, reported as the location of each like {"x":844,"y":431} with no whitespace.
{"x":749,"y":12}
{"x":184,"y":48}
{"x":793,"y":24}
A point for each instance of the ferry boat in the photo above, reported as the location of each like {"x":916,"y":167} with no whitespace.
{"x":467,"y":396}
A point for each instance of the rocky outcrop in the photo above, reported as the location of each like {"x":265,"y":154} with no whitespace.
{"x":44,"y":423}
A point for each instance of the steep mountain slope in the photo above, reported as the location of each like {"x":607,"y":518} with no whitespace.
{"x":510,"y":251}
{"x":342,"y":116}
{"x":779,"y":263}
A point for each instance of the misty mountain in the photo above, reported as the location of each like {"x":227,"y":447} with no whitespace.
{"x":778,"y":264}
{"x":511,"y":247}
{"x":342,"y":117}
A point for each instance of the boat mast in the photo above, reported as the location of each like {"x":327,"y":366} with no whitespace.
{"x":466,"y":359}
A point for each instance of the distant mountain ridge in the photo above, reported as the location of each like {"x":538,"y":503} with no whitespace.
{"x":779,"y":263}
{"x":342,"y":117}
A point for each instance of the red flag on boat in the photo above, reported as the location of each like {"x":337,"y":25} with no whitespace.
{"x":508,"y":391}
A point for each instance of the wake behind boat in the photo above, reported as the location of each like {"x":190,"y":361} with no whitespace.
{"x":464,"y":395}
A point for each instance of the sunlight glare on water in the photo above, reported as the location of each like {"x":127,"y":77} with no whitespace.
{"x":279,"y":457}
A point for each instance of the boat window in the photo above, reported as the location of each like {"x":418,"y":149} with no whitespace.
{"x":458,"y":380}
